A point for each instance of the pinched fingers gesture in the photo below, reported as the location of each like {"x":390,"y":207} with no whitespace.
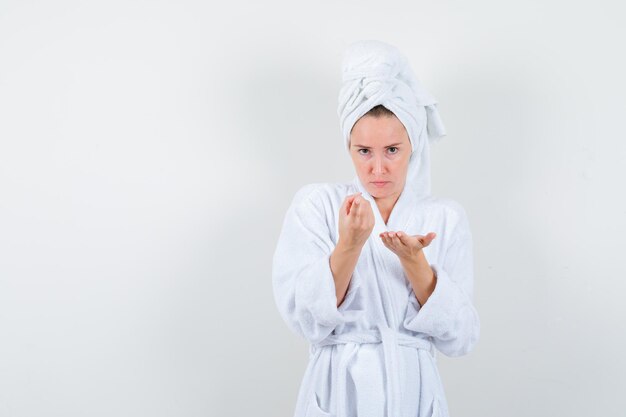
{"x":356,"y":220}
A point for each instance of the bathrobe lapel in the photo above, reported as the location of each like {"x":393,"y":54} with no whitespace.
{"x":400,"y":216}
{"x":399,"y":220}
{"x":382,"y":258}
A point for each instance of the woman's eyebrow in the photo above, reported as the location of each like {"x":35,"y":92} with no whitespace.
{"x":367,"y":147}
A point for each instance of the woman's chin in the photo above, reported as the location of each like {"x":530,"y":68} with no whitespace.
{"x":377,"y":192}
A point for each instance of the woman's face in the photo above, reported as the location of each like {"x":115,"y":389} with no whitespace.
{"x":380,"y":149}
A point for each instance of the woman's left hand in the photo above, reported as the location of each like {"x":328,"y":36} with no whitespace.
{"x":406,"y":246}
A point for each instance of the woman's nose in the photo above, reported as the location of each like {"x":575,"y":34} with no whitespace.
{"x":378,"y":166}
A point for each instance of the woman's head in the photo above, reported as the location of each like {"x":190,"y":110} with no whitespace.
{"x":380,"y":150}
{"x":374,"y":72}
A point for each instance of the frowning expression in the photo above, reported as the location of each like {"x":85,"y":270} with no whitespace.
{"x":380,"y":150}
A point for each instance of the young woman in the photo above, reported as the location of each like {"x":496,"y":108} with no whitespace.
{"x":377,"y":273}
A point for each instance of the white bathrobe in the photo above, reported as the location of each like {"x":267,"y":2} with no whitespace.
{"x":374,"y":355}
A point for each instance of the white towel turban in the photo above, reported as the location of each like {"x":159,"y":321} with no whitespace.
{"x":373,"y":73}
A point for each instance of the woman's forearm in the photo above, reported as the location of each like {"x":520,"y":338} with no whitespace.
{"x":420,"y":275}
{"x":342,"y":263}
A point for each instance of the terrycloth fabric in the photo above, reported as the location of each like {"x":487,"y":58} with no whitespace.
{"x":373,"y":73}
{"x":374,"y":355}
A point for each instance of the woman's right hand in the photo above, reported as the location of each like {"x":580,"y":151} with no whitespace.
{"x":356,"y":221}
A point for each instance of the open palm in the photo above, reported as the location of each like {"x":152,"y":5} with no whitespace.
{"x":406,"y":246}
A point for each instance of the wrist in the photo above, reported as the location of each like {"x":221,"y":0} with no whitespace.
{"x":414,"y":258}
{"x":350,"y":248}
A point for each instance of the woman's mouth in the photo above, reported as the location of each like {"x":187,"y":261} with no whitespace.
{"x":380,"y":183}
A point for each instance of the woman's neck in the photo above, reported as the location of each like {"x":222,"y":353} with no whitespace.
{"x":386,"y":205}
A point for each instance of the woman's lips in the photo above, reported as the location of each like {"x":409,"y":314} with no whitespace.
{"x":380,"y":183}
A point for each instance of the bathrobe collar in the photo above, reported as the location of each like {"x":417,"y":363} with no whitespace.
{"x":400,"y":214}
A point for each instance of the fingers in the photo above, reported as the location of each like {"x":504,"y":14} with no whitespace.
{"x":355,"y":201}
{"x":401,"y":237}
{"x":347,"y":202}
{"x":400,"y":242}
{"x":427,"y":239}
{"x":356,"y":207}
{"x":345,"y":207}
{"x":390,"y":238}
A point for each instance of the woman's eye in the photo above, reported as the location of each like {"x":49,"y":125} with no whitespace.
{"x":393,"y":147}
{"x":362,"y":150}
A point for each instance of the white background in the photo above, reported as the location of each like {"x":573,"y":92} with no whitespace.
{"x":149,"y":150}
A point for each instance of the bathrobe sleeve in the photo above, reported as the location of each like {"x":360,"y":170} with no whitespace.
{"x":303,"y":284}
{"x":448,"y":315}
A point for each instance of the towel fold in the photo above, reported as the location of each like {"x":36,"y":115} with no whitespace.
{"x":373,"y":73}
